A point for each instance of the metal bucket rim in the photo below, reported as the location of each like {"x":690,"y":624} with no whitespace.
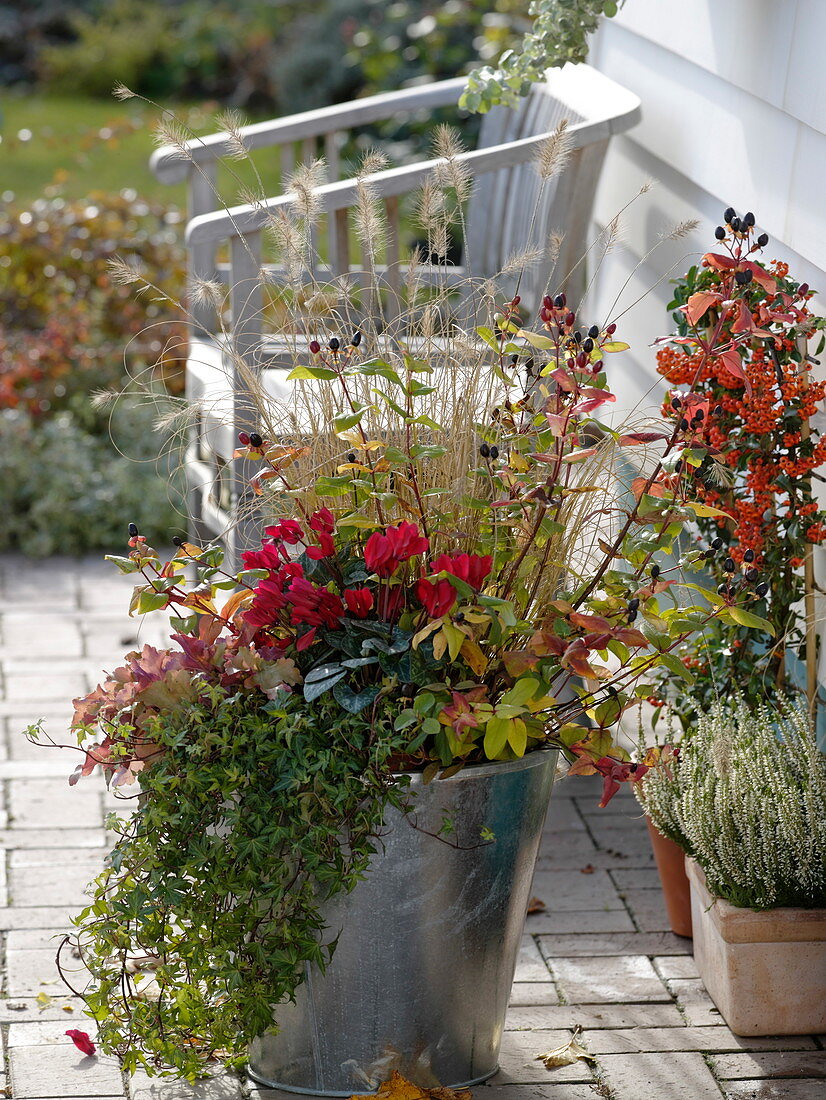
{"x":482,"y":771}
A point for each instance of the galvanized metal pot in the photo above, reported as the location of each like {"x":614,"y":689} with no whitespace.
{"x":420,"y":978}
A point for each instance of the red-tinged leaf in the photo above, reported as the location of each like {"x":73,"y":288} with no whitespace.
{"x":563,"y":379}
{"x":591,"y":403}
{"x":632,"y":438}
{"x":760,"y":276}
{"x":82,"y":1041}
{"x":721,"y":263}
{"x":306,"y":640}
{"x":575,"y":658}
{"x":734,"y":365}
{"x":536,"y":905}
{"x":638,"y":486}
{"x":628,"y":635}
{"x":582,"y":766}
{"x":519,"y":661}
{"x":589,"y":622}
{"x":699,"y":304}
{"x":544,"y":643}
{"x":578,"y":456}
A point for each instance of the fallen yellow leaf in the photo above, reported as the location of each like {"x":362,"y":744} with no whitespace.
{"x":399,"y":1088}
{"x":567,"y":1054}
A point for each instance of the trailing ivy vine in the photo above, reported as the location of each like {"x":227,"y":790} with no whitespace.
{"x":201,"y":924}
{"x":559,"y":34}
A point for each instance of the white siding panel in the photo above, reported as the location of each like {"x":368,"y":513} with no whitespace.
{"x":746,"y":42}
{"x":721,"y":138}
{"x":805,"y":96}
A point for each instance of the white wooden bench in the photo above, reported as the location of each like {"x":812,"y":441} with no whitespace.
{"x":508,"y":211}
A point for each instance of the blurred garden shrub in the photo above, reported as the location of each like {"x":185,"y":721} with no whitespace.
{"x":65,"y":323}
{"x":275,"y":56}
{"x":67,"y":329}
{"x":66,"y":490}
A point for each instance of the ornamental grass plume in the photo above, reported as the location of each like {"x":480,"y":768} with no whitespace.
{"x":745,"y":796}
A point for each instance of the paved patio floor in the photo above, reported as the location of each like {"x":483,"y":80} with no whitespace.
{"x":600,"y":957}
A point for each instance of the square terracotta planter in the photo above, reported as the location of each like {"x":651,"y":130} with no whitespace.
{"x":764,"y":969}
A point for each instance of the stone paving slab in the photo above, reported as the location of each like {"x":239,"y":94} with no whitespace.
{"x":599,"y":957}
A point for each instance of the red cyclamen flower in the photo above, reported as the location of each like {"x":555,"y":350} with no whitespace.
{"x":313,"y":605}
{"x":82,"y":1041}
{"x":472,"y":568}
{"x":437,"y":597}
{"x":383,"y":552}
{"x":359,"y":601}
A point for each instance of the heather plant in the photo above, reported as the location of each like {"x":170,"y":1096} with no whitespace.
{"x":752,"y":405}
{"x":744,"y":796}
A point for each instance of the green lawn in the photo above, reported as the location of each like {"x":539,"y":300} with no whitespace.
{"x":82,"y":145}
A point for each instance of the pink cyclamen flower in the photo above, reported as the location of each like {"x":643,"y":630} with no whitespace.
{"x":82,"y":1041}
{"x":384,"y":552}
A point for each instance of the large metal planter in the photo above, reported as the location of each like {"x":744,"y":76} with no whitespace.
{"x":423,"y":968}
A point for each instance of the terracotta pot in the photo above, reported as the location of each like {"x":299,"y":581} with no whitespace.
{"x":671,"y":865}
{"x":763,"y":969}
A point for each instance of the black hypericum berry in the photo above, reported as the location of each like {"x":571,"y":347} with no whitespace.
{"x":484,"y":451}
{"x":133,"y":530}
{"x":570,"y":318}
{"x":718,"y":410}
{"x":762,"y":589}
{"x":678,"y":465}
{"x":803,"y":289}
{"x":593,"y":331}
{"x":683,"y":425}
{"x":717,"y":544}
{"x":722,"y":589}
{"x":514,"y":360}
{"x":255,"y":439}
{"x":560,"y":301}
{"x":355,"y":339}
{"x":763,"y":240}
{"x":752,"y":575}
{"x":334,"y":343}
{"x":351,"y":456}
{"x":655,"y":571}
{"x":408,"y":690}
{"x":720,"y":233}
{"x":743,"y":278}
{"x":529,"y":366}
{"x":494,"y":451}
{"x":244,"y":439}
{"x":676,"y":404}
{"x":699,"y":416}
{"x":631,"y":616}
{"x":728,"y":565}
{"x":634,"y":603}
{"x":708,"y":554}
{"x":588,"y":345}
{"x":735,"y":224}
{"x":729,"y":214}
{"x":578,"y":336}
{"x":748,"y":556}
{"x":315,"y":347}
{"x":177,"y":540}
{"x":748,"y":219}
